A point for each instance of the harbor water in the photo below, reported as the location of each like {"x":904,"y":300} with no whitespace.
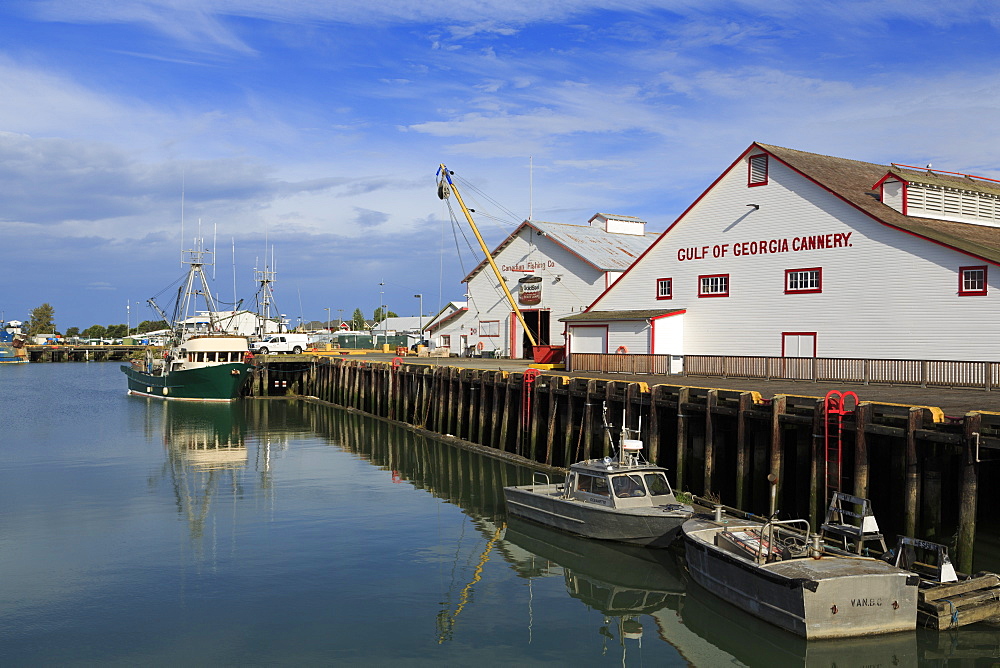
{"x":282,"y":532}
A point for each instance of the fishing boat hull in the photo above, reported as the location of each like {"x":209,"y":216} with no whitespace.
{"x":657,"y":526}
{"x":828,"y":597}
{"x":9,"y":355}
{"x":220,"y":382}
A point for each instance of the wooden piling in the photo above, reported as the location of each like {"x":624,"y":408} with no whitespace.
{"x":742,"y":449}
{"x":711,"y":401}
{"x":968,"y":496}
{"x":912,"y":481}
{"x":778,"y":406}
{"x":862,"y":418}
{"x":683,"y":396}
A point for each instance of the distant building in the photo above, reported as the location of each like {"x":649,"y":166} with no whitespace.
{"x":243,"y":323}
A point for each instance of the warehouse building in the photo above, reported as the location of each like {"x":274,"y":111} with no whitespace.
{"x":794,"y":254}
{"x":552,"y":270}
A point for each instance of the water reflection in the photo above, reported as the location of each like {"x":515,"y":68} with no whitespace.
{"x":642,"y":594}
{"x":622,"y":582}
{"x":217,"y":452}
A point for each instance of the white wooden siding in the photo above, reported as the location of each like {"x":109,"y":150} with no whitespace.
{"x":632,"y":334}
{"x":668,"y":335}
{"x":588,"y":339}
{"x":885,"y":293}
{"x":569,"y":285}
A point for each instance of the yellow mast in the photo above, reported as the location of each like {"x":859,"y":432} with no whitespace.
{"x":445,"y":187}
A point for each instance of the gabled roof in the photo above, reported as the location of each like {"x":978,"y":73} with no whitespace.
{"x":444,"y":315}
{"x":604,"y":251}
{"x":853,"y":181}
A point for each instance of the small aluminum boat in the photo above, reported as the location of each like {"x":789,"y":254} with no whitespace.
{"x":773,"y":571}
{"x":621,"y":499}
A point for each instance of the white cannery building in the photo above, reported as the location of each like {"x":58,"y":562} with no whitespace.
{"x":552,"y":270}
{"x":794,"y":254}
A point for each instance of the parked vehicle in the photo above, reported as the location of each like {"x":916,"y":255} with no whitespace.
{"x":281,"y":343}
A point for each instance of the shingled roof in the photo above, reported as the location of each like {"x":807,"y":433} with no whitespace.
{"x":852,"y":181}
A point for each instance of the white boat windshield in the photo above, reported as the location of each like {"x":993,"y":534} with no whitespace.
{"x":626,"y":486}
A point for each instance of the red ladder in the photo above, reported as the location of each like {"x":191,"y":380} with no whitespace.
{"x":834,"y":410}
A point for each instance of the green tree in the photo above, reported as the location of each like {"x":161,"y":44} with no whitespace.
{"x":72,"y":331}
{"x":117,"y":331}
{"x":358,"y":320}
{"x":151,"y":326}
{"x":95,"y":332}
{"x":41,"y":320}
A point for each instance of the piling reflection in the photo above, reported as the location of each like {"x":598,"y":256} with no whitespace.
{"x":461,"y":477}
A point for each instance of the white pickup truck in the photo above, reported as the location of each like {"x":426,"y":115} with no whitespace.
{"x":281,"y":343}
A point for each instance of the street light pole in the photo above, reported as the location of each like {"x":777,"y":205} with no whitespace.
{"x":327,"y":319}
{"x":421,"y":298}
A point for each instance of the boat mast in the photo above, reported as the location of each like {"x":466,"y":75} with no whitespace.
{"x":197,"y":284}
{"x":444,"y":190}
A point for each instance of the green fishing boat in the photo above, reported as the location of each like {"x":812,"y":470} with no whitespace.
{"x":201,"y":363}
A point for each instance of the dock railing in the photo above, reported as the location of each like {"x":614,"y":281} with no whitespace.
{"x":922,"y":373}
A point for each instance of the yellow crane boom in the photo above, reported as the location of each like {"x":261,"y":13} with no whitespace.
{"x":445,"y":188}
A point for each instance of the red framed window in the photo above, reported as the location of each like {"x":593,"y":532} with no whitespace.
{"x":489,"y":328}
{"x":664,"y":288}
{"x":757,"y":170}
{"x":799,"y":281}
{"x":713,"y":285}
{"x":971,"y":281}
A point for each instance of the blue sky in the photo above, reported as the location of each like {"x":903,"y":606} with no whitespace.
{"x":315,"y":128}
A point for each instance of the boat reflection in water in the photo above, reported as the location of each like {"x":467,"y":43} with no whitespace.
{"x":208,"y":458}
{"x":755,"y":642}
{"x":622,"y":582}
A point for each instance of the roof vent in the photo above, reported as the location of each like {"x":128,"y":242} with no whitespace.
{"x":923,"y":193}
{"x":613,"y":224}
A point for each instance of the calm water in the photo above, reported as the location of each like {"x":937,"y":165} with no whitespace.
{"x":137,"y":532}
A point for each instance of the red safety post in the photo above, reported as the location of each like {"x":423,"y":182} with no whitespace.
{"x":527,"y":381}
{"x":835,"y":407}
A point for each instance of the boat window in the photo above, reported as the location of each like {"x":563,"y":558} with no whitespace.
{"x":592,"y":484}
{"x":658,"y":485}
{"x":199,"y":357}
{"x":628,"y":486}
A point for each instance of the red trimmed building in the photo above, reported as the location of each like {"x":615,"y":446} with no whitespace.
{"x":794,"y":254}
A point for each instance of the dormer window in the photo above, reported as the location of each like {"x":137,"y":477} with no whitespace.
{"x":757,"y":175}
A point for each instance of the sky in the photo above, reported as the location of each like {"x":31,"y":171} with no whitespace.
{"x":305,"y":135}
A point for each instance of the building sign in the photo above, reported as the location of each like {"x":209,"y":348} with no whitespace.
{"x":528,"y":266}
{"x":530,"y":291}
{"x":767,"y":246}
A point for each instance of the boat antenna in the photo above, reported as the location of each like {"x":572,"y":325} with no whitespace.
{"x":531,"y":186}
{"x":215,"y":238}
{"x":183,"y":172}
{"x":234,"y":269}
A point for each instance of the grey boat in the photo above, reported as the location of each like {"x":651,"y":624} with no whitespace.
{"x":773,"y":571}
{"x":622,"y":499}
